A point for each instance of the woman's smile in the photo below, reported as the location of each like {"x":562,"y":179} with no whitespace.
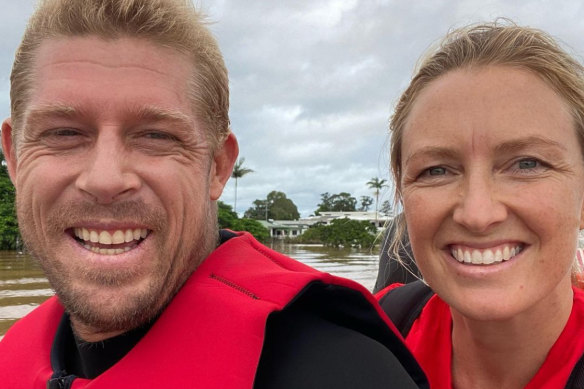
{"x":487,"y":256}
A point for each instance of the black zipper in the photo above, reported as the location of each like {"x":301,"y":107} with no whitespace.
{"x":63,"y":382}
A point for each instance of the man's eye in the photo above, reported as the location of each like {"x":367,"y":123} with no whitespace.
{"x":159,"y":135}
{"x":65,"y":132}
{"x":61,"y":135}
{"x":63,"y":138}
{"x":529,"y":163}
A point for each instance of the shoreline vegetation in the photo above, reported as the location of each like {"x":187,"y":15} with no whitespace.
{"x":339,"y":233}
{"x":9,"y":234}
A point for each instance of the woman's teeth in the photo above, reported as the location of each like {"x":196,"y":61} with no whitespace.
{"x":485,"y":257}
{"x":101,"y":241}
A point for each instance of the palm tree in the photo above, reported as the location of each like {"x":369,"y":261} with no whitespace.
{"x":238,"y":172}
{"x":376,"y":184}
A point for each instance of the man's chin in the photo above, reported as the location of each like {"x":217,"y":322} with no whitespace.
{"x":98,"y":313}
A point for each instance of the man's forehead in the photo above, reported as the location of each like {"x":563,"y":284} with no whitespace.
{"x":78,"y":75}
{"x":109,"y":51}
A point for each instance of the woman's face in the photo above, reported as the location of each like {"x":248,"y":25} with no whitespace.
{"x":493,"y":190}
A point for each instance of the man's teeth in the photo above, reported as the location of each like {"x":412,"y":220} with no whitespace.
{"x":485,"y":257}
{"x":117,"y":237}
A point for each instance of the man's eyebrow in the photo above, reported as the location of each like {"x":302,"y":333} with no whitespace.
{"x":155,"y":114}
{"x":142,"y":113}
{"x":49,"y":110}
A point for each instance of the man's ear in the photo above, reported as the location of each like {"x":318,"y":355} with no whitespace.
{"x":223,"y":161}
{"x":8,"y":149}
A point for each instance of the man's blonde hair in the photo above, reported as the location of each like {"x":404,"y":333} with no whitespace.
{"x":169,"y":23}
{"x":499,"y":43}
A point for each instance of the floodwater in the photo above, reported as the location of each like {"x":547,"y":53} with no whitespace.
{"x":23,"y":285}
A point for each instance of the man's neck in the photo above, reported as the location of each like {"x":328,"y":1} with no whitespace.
{"x":89,"y":334}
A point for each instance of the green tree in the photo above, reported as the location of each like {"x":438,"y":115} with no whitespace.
{"x":325,"y":203}
{"x":376,"y":184}
{"x":341,"y":202}
{"x":225,"y":215}
{"x":386,"y":207}
{"x":258,"y":210}
{"x":314,"y":234}
{"x":238,"y":172}
{"x":341,"y":232}
{"x":254,"y":227}
{"x":346,"y":232}
{"x":9,"y":234}
{"x":279,"y":207}
{"x":366,"y":202}
{"x":226,"y":218}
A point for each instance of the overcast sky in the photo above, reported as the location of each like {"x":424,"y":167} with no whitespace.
{"x":313,"y":82}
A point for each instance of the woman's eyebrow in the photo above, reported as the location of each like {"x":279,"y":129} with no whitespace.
{"x":514,"y":145}
{"x":432,"y":152}
{"x":528,"y":142}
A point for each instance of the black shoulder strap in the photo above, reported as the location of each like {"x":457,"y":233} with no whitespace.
{"x":404,"y":304}
{"x":576,"y":379}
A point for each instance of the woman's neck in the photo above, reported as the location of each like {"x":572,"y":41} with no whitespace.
{"x":506,"y":354}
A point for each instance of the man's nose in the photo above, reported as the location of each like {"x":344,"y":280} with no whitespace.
{"x":108,"y":174}
{"x":479,"y":206}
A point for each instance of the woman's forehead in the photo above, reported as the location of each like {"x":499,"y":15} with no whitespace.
{"x":485,"y":103}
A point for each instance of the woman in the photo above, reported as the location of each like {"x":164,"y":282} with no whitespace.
{"x":488,"y":155}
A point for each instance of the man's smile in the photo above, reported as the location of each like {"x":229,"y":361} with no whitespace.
{"x":110,"y":242}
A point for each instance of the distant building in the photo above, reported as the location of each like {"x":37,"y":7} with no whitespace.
{"x":379,"y":220}
{"x":280,"y":229}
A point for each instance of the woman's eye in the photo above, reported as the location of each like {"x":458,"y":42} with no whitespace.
{"x":528,"y":166}
{"x":435,"y":171}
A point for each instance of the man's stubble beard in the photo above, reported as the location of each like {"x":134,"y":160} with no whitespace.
{"x":127,"y":311}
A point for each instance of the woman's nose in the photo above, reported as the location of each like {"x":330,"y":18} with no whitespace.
{"x":479,"y":206}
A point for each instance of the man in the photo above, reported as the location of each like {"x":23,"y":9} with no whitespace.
{"x":119,"y":145}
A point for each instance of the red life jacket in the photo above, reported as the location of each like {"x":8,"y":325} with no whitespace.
{"x":210,"y":335}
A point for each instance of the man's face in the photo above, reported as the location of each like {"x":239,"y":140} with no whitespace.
{"x":115,"y":178}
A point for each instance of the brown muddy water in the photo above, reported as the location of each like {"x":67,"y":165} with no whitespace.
{"x":23,"y":285}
